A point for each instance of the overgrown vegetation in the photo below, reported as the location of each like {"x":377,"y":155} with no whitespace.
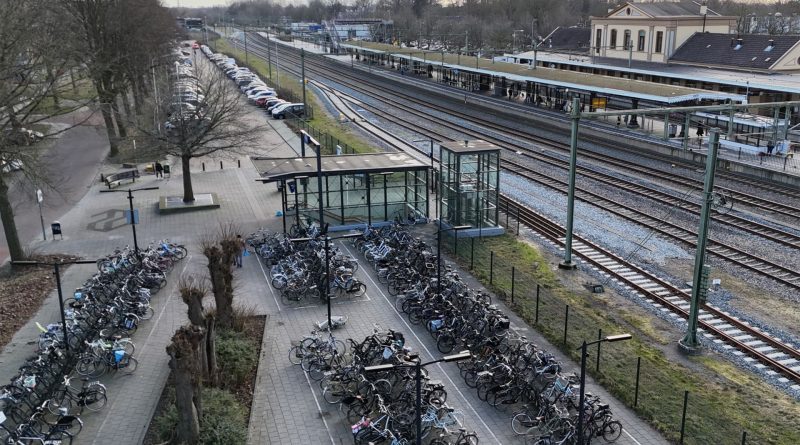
{"x":724,"y":400}
{"x":236,"y":357}
{"x":224,"y":419}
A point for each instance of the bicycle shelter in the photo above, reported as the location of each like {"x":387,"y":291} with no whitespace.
{"x":469,"y":187}
{"x":357,"y":190}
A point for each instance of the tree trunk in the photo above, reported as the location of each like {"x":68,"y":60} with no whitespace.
{"x":188,"y":193}
{"x":105,"y":110}
{"x":219,"y":269}
{"x":211,"y":350}
{"x":123,"y":132}
{"x":126,"y":106}
{"x":183,"y":362}
{"x":9,"y":224}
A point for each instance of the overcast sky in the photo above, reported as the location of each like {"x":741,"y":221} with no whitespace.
{"x":195,"y":3}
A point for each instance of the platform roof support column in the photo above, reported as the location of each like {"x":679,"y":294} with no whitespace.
{"x":699,"y":286}
{"x":775,"y":115}
{"x":686,"y":123}
{"x":731,"y":114}
{"x":573,"y":160}
{"x":666,"y":126}
{"x":369,"y":200}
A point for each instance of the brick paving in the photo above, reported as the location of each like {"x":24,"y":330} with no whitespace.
{"x":287,"y":407}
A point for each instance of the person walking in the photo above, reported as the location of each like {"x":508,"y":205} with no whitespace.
{"x":239,"y":251}
{"x":770,"y":147}
{"x":159,"y":170}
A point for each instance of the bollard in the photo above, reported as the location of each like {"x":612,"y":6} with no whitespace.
{"x":599,"y":337}
{"x":636,"y":391}
{"x":472,"y":254}
{"x":239,"y":161}
{"x":683,"y":417}
{"x":491,"y":267}
{"x":740,"y":153}
{"x":220,"y":165}
{"x":536,"y":319}
{"x":744,"y":437}
{"x":566,"y":324}
{"x":204,"y":166}
{"x":513,"y":276}
{"x":785,"y":160}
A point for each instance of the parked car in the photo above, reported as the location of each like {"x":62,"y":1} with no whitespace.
{"x":290,"y":110}
{"x":271,"y":103}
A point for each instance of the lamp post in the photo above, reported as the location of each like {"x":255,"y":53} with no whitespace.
{"x":704,"y":12}
{"x":439,"y":251}
{"x":130,"y":202}
{"x":584,"y":353}
{"x":57,"y":273}
{"x":463,"y":355}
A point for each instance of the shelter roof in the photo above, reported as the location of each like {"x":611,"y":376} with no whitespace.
{"x":274,"y":169}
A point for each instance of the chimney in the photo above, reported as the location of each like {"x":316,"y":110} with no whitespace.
{"x":771,"y":42}
{"x":466,"y":143}
{"x":739,"y":41}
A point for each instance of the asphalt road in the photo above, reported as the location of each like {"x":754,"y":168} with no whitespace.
{"x":71,"y":163}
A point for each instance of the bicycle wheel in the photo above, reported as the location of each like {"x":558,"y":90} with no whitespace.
{"x":468,"y":439}
{"x":445,"y":343}
{"x":59,"y":400}
{"x":179,"y":251}
{"x":90,"y":366}
{"x":522,"y":423}
{"x":334,"y":392}
{"x":94,"y":400}
{"x":360,"y":289}
{"x":296,"y":355}
{"x":612,"y":430}
{"x":127,"y":365}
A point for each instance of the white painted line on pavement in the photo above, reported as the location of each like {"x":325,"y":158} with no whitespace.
{"x":269,"y":285}
{"x":319,"y":408}
{"x":422,"y":345}
{"x":146,"y":341}
{"x":629,"y":435}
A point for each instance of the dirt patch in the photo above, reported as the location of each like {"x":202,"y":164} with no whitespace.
{"x":23,"y":289}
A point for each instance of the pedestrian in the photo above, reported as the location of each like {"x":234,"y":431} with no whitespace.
{"x":625,"y":119}
{"x":159,"y":170}
{"x":239,"y":251}
{"x":619,"y":120}
{"x":770,"y":147}
{"x":700,"y":131}
{"x":673,"y":129}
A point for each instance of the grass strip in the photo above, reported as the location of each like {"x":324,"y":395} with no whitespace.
{"x":724,"y":400}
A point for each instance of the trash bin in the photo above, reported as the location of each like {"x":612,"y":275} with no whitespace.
{"x":56,"y":228}
{"x":166,"y":170}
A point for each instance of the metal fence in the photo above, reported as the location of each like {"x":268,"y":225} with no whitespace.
{"x":640,"y":376}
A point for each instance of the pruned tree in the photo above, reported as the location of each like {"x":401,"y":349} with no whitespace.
{"x":183,"y":353}
{"x":216,"y":124}
{"x":193,"y":294}
{"x":220,"y":251}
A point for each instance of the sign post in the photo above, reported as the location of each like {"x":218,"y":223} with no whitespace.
{"x":39,"y":199}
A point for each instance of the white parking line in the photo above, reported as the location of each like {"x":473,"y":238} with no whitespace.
{"x":422,"y":345}
{"x":629,"y":435}
{"x":269,"y":285}
{"x":319,"y":408}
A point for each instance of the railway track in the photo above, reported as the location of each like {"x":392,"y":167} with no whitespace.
{"x":717,"y":325}
{"x":762,"y":266}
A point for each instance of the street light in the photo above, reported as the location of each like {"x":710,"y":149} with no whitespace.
{"x":133,"y":220}
{"x":584,"y":353}
{"x":439,"y":251}
{"x":463,"y":355}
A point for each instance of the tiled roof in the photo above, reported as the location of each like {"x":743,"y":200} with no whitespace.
{"x":671,"y":9}
{"x":727,"y":50}
{"x":568,"y":39}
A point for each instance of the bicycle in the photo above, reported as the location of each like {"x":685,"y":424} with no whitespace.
{"x":91,"y":396}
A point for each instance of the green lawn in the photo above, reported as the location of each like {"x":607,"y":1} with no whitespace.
{"x":720,"y":407}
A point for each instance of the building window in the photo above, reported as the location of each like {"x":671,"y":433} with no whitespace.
{"x":659,"y":40}
{"x":626,"y":42}
{"x":598,"y":41}
{"x":613,"y":44}
{"x":640,"y":43}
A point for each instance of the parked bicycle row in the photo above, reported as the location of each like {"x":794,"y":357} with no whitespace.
{"x":505,"y":369}
{"x":297,"y":268}
{"x":380,"y":400}
{"x":42,"y":404}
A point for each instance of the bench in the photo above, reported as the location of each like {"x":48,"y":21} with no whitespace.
{"x":115,"y":179}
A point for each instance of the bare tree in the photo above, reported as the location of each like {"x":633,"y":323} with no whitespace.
{"x":183,"y":352}
{"x":220,"y":251}
{"x":216,"y":124}
{"x":193,"y":294}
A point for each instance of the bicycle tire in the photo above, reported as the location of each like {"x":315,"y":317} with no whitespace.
{"x":94,"y":400}
{"x":148,"y":313}
{"x":333,"y":393}
{"x":612,"y":431}
{"x":127,"y":365}
{"x":468,"y":439}
{"x":180,"y":251}
{"x":296,"y":355}
{"x":361,"y":290}
{"x":445,"y":343}
{"x":59,"y":400}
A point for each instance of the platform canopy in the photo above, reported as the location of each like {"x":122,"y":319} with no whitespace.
{"x":275,"y":169}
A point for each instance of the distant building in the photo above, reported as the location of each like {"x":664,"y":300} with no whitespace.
{"x":653,"y":31}
{"x":751,"y":52}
